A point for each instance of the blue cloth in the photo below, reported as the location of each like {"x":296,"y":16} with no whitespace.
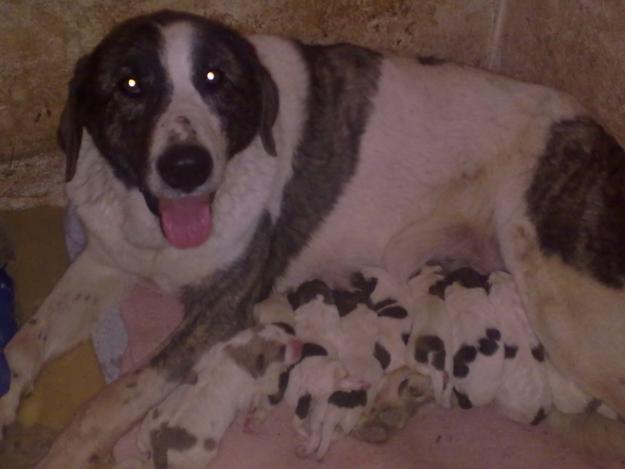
{"x":109,"y":336}
{"x":8,"y":326}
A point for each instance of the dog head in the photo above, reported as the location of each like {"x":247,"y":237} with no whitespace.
{"x":168,"y":98}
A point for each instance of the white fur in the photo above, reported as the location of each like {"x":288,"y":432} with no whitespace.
{"x":185,"y":102}
{"x":291,"y":77}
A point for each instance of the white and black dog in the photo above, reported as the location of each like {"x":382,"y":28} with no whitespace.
{"x":222,"y":166}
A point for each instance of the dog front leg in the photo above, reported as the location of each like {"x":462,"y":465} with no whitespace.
{"x":88,"y":439}
{"x":65,"y":318}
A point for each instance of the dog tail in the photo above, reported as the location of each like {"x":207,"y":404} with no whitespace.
{"x":592,"y":433}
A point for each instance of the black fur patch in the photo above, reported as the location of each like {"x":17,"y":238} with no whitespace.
{"x":303,"y":406}
{"x":439,"y":360}
{"x":431,"y":342}
{"x":285,"y":327}
{"x":510,"y":351}
{"x":576,"y":200}
{"x":487,"y":347}
{"x":461,"y":370}
{"x":466,"y":353}
{"x":346,"y":302}
{"x":538,"y":353}
{"x":493,"y":333}
{"x":310,"y":349}
{"x":405,"y":337}
{"x":465,"y":276}
{"x":308,"y":291}
{"x":283,"y":382}
{"x":394,"y":312}
{"x":421,"y":355}
{"x":463,"y":400}
{"x":348,"y":399}
{"x":383,"y":304}
{"x":381,"y":355}
{"x":365,"y":285}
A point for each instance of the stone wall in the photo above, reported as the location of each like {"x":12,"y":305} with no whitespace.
{"x":574,"y":45}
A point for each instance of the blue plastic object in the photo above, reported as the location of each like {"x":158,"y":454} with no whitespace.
{"x":8,"y":326}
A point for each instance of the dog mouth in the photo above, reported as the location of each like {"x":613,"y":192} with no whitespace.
{"x":186,"y":221}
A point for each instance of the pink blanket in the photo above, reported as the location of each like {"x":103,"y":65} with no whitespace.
{"x":434,"y":438}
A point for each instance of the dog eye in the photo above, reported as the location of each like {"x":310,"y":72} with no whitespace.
{"x":213,"y":78}
{"x":130,"y":86}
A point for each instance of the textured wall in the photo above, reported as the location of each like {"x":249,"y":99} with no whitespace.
{"x":41,"y":40}
{"x":574,"y":45}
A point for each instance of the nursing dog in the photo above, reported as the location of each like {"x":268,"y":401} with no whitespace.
{"x":223,"y":166}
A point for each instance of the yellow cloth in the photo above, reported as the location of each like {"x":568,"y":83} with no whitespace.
{"x":40,"y":260}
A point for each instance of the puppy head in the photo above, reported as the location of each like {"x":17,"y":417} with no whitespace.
{"x":263,"y":349}
{"x":168,"y":98}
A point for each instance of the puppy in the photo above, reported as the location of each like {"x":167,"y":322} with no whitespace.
{"x":239,"y":375}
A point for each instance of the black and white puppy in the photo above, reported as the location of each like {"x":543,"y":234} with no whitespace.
{"x":221,"y":166}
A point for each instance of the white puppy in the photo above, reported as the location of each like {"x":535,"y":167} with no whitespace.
{"x":241,"y":374}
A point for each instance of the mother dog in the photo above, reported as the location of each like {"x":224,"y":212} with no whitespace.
{"x":221,"y":166}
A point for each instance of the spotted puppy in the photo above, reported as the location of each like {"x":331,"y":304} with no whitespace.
{"x":530,"y":384}
{"x":241,"y":374}
{"x":329,"y":386}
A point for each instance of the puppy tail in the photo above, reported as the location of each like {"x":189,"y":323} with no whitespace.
{"x":593,"y":434}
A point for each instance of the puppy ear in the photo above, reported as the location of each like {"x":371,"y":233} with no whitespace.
{"x":270,"y":104}
{"x":69,"y":133}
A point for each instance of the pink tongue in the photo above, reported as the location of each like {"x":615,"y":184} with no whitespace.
{"x":186,"y":221}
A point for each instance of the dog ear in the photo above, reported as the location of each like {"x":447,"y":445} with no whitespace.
{"x":270,"y":104}
{"x":69,"y":133}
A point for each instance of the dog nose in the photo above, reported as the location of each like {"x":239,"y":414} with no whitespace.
{"x":185,"y":167}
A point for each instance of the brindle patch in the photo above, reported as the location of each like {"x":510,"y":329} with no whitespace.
{"x":343,"y":81}
{"x":256,"y":356}
{"x":168,"y":438}
{"x":576,"y":200}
